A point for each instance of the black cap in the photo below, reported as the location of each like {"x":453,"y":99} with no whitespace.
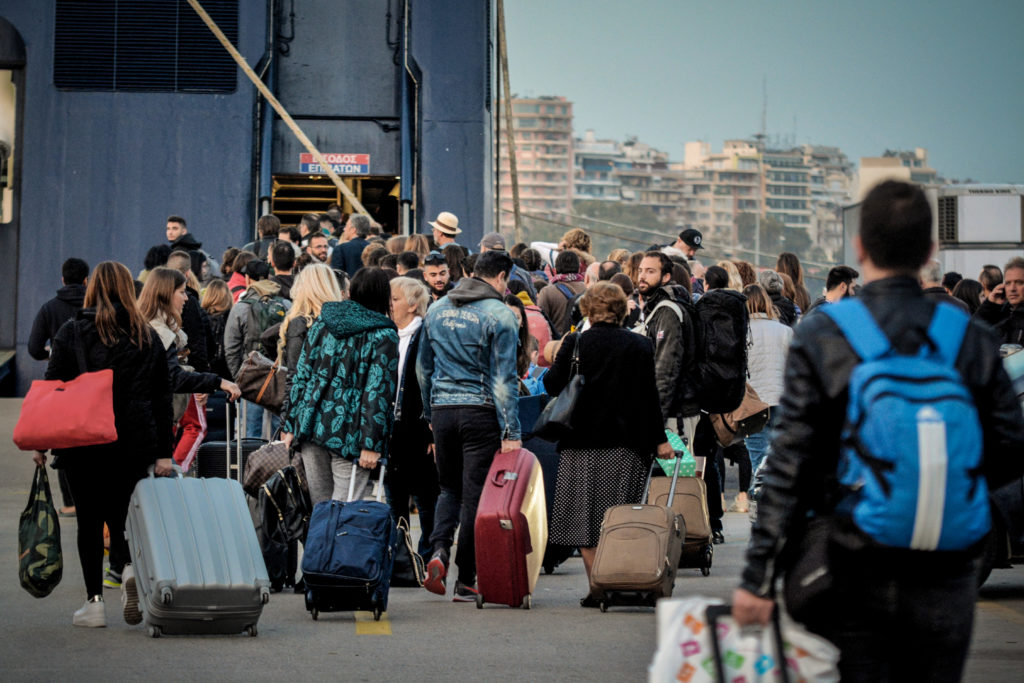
{"x":692,"y":237}
{"x":256,"y":269}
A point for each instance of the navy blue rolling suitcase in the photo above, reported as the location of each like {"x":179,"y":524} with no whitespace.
{"x":348,"y":555}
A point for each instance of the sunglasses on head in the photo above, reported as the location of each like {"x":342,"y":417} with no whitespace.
{"x":434,"y":258}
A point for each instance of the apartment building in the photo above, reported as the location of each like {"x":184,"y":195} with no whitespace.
{"x":909,"y":166}
{"x":542,"y":128}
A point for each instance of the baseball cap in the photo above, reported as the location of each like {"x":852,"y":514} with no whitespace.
{"x":692,"y":237}
{"x":493,"y":240}
{"x":256,"y":269}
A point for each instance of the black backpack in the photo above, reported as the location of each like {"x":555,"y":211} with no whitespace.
{"x":283,"y":508}
{"x":722,"y":368}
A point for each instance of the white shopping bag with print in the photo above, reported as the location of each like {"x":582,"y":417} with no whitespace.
{"x":687,"y":653}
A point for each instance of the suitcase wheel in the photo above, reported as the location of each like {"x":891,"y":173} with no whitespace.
{"x":603,"y":606}
{"x":479,"y":601}
{"x":155,"y":632}
{"x":251,"y":631}
{"x":528,"y":602}
{"x":376,"y":613}
{"x":709,"y":552}
{"x":315,"y":613}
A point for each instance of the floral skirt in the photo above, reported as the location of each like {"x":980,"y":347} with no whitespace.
{"x":589,"y":482}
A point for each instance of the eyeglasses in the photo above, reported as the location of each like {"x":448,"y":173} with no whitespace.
{"x":435,"y":258}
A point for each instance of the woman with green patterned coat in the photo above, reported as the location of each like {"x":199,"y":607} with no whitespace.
{"x":341,"y":404}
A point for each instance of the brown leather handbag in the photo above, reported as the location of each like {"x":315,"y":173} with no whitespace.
{"x":749,"y":418}
{"x":262,"y":381}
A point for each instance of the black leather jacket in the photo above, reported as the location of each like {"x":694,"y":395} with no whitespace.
{"x":674,"y":351}
{"x":800,"y":474}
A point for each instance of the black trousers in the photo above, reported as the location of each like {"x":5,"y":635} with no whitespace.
{"x":706,"y":445}
{"x":101,"y":497}
{"x":905,"y":620}
{"x":466,"y":439}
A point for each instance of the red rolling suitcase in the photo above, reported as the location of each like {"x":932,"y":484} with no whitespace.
{"x":511,"y":530}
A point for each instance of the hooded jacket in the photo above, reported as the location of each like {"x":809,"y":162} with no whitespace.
{"x":467,"y":354}
{"x":786,"y":308}
{"x":142,"y":396}
{"x":239,"y":339}
{"x":343,"y":392}
{"x":671,"y":329}
{"x":51,"y":316}
{"x":194,"y":248}
{"x":800,"y":475}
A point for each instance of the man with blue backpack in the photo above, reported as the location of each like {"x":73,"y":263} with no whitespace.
{"x":897,"y":418}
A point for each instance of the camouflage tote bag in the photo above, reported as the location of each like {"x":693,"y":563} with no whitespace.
{"x":40,"y":564}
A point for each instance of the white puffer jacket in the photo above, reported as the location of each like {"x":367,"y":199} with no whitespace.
{"x":766,"y":357}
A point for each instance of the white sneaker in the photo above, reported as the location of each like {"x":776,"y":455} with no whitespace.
{"x":92,"y":614}
{"x":130,"y":597}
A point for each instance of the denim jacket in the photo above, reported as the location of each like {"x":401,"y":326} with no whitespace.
{"x":468,"y":354}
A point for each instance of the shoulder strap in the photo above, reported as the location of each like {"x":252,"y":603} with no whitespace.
{"x":947,"y":331}
{"x":665,"y":303}
{"x":564,"y":289}
{"x":859,"y":327}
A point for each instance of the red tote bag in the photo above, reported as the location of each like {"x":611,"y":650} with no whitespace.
{"x":58,"y":414}
{"x":79,"y":412}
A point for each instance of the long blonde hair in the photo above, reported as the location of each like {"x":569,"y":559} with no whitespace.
{"x":735,"y":281}
{"x":314,"y":286}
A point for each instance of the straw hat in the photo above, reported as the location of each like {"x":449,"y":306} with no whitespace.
{"x":447,"y":222}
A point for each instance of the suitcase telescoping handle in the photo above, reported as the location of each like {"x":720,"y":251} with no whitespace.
{"x":239,"y":432}
{"x":675,"y":479}
{"x":151,"y":470}
{"x":352,"y":482}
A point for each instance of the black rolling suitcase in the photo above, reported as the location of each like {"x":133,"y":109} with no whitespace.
{"x":226,"y":459}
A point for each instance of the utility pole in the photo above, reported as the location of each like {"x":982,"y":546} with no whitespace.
{"x":503,"y":49}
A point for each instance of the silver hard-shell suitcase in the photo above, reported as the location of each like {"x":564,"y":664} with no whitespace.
{"x":197,"y":562}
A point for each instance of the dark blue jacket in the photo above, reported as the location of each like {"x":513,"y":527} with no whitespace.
{"x":349,"y":256}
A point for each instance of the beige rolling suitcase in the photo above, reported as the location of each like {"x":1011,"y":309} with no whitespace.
{"x":638,"y":553}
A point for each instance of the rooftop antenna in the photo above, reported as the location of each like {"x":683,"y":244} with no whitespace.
{"x":762,"y":136}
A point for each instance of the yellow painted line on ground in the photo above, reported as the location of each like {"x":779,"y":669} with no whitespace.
{"x":1007,"y":613}
{"x":366,"y":626}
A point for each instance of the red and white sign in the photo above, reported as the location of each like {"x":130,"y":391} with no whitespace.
{"x":342,"y":164}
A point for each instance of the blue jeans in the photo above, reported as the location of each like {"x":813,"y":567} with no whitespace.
{"x":900,"y":620}
{"x":758,"y":445}
{"x":254,"y":422}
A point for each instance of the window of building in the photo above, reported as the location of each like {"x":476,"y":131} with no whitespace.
{"x":126,"y":45}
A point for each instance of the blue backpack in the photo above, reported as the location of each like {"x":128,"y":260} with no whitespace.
{"x":912,"y":442}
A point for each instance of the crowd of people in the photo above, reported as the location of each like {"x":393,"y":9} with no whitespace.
{"x":413,"y":350}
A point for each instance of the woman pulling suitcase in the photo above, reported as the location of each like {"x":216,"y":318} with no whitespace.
{"x":111,"y":332}
{"x":616,"y":423}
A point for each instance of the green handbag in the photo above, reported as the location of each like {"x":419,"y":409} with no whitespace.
{"x":684,"y":459}
{"x":40,"y":563}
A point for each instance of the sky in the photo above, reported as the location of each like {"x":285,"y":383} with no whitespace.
{"x":864,"y":76}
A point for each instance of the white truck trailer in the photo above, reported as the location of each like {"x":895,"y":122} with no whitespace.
{"x":974,"y":225}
